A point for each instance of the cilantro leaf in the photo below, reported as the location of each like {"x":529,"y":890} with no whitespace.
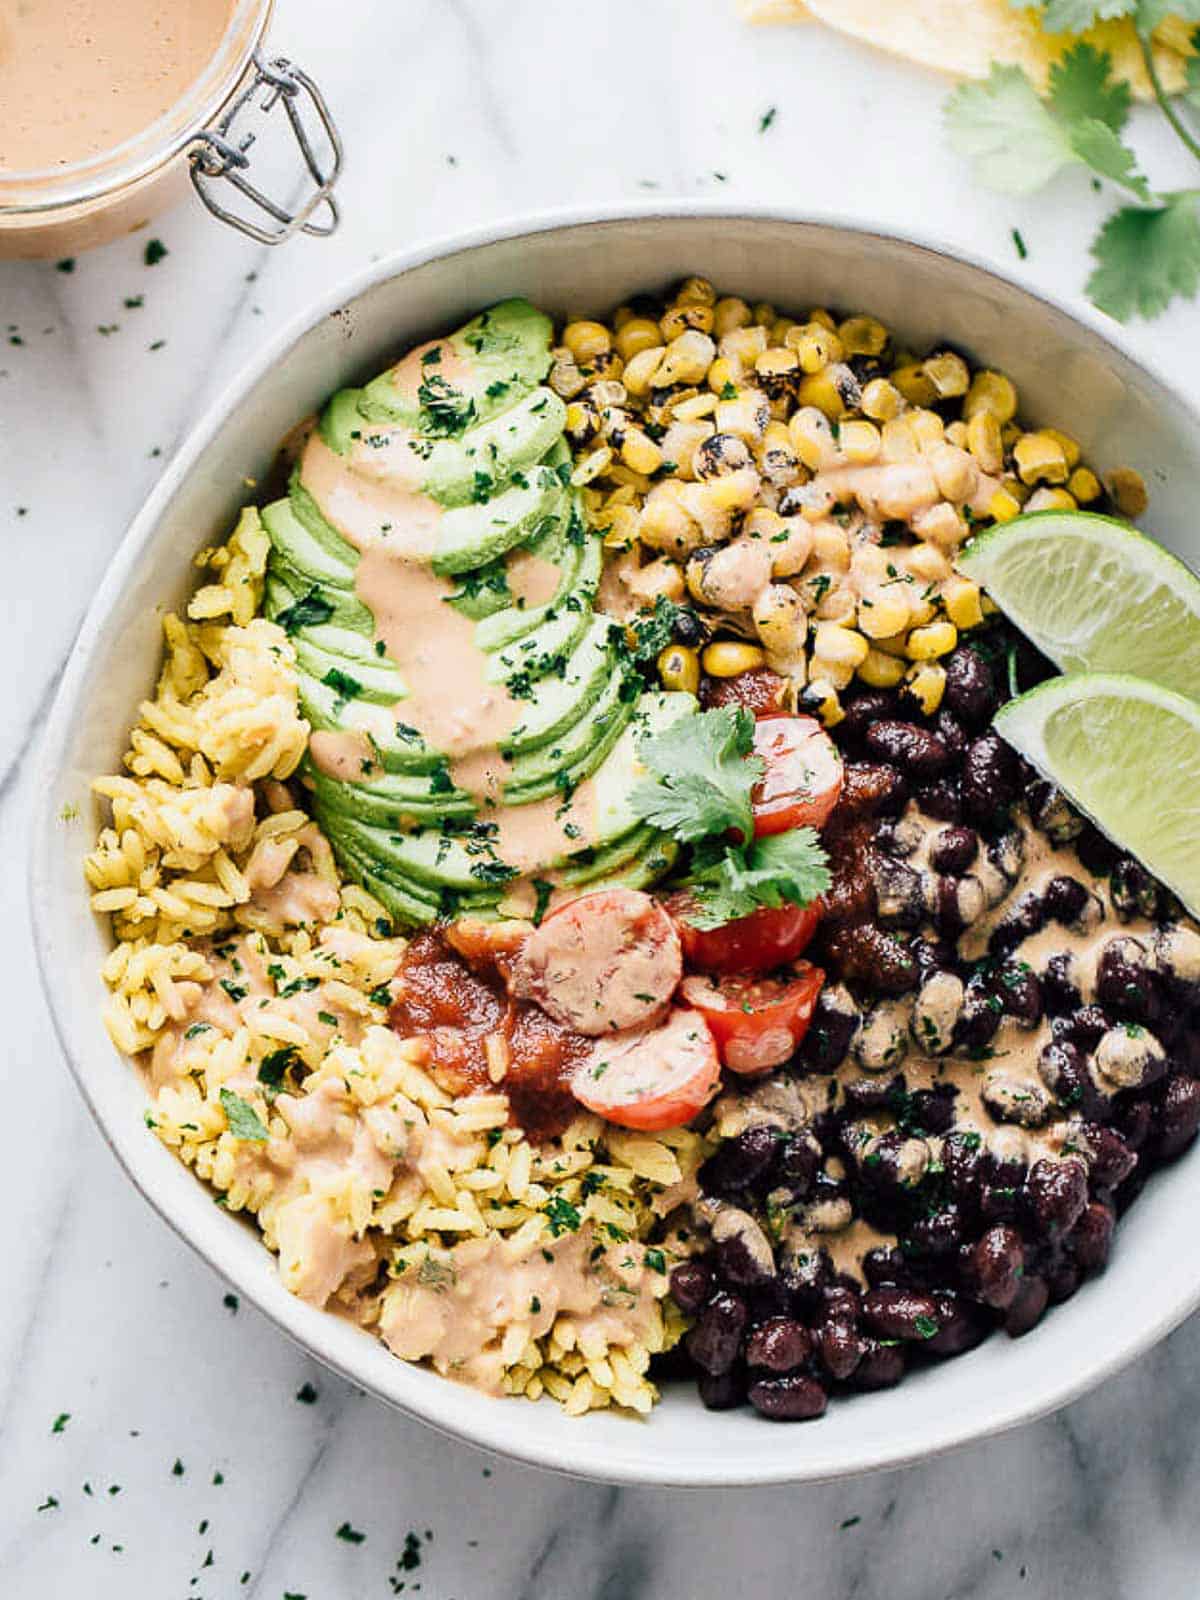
{"x":1095,"y":143}
{"x":1016,"y":144}
{"x":731,"y":882}
{"x":1145,"y":257}
{"x":244,"y":1122}
{"x":702,"y":774}
{"x":1075,"y":16}
{"x":310,"y":610}
{"x":1082,"y":87}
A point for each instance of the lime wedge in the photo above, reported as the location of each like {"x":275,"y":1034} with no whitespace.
{"x":1094,"y":595}
{"x":1127,"y":752}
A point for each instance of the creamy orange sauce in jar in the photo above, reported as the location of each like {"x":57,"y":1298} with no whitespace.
{"x":79,"y":77}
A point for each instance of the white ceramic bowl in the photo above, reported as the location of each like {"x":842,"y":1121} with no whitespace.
{"x":1068,"y":371}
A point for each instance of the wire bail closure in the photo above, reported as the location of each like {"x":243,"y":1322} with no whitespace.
{"x":219,"y":155}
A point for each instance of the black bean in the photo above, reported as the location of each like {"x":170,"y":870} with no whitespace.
{"x":1125,"y":983}
{"x":1062,"y":1279}
{"x":1096,"y":853}
{"x":953,"y":850}
{"x":691,"y":1285}
{"x":965,"y":1162}
{"x":884,"y":1267}
{"x":951,"y":732}
{"x":740,"y":1263}
{"x":873,"y":789}
{"x":991,"y":781}
{"x":841,"y":1348}
{"x":841,"y":1303}
{"x":1020,"y":993}
{"x":687,"y":627}
{"x":1084,"y":1027}
{"x":829,"y":1033}
{"x":937,"y":1236}
{"x":882,"y":1366}
{"x":970,"y":692}
{"x":941,"y":799}
{"x":1064,"y":898}
{"x":767,"y":1300}
{"x":1134,"y":892}
{"x":1056,"y":1193}
{"x":797,"y":1156}
{"x":863,"y":710}
{"x":1111,"y":1160}
{"x":722,"y":1391}
{"x":899,"y":896}
{"x":995,"y":1265}
{"x":714,"y":1341}
{"x":1179,"y":1117}
{"x":900,"y":1314}
{"x":1091,"y":1237}
{"x":740,"y":1162}
{"x":961,"y":1326}
{"x":781,"y":1344}
{"x":932,"y":1110}
{"x":1028,"y":1306}
{"x":873,"y":1094}
{"x":957,"y":903}
{"x":1006,"y":853}
{"x":1059,"y":990}
{"x":933,"y":956}
{"x":1052,"y":812}
{"x":872,"y":955}
{"x":1023,"y":918}
{"x":1134,"y":1121}
{"x":792,"y":1399}
{"x":916,"y":751}
{"x":981,"y":1015}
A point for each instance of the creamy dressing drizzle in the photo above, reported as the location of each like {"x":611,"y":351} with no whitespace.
{"x":449,"y":700}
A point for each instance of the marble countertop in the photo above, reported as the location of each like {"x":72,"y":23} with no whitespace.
{"x":160,"y":1441}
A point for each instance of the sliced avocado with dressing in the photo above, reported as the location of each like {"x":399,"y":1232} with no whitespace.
{"x":484,"y":367}
{"x":511,"y":529}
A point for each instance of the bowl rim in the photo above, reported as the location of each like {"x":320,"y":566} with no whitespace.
{"x":492,"y":1428}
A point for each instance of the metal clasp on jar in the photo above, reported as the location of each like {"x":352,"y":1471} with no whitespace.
{"x":220,"y":155}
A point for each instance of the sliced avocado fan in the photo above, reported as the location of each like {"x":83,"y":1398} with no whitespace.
{"x":488,"y":436}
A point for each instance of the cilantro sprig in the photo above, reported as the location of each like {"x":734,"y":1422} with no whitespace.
{"x":701,"y":779}
{"x":1147,"y":252}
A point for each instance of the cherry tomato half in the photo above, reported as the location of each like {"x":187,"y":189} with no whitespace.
{"x":756,"y":1022}
{"x":803,"y":778}
{"x":651,"y":1078}
{"x":769,"y":937}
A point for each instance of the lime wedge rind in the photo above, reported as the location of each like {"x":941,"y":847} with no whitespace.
{"x":1127,"y":753}
{"x":1093,"y":594}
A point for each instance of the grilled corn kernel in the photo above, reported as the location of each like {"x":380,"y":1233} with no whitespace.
{"x":695,"y":292}
{"x":884,"y":612}
{"x":640,"y":452}
{"x":636,"y":335}
{"x":923,"y":611}
{"x":899,"y":440}
{"x":863,"y":336}
{"x":1070,"y":447}
{"x":926,"y":562}
{"x":822,"y":318}
{"x":954,"y":472}
{"x":881,"y":400}
{"x":622,"y":315}
{"x":832,"y":642}
{"x":831,"y":547}
{"x":956,"y":434}
{"x":984,"y":442}
{"x":687,"y":360}
{"x":963,"y":602}
{"x":777,"y":369}
{"x":816,"y":347}
{"x":592,"y":466}
{"x":641,"y":369}
{"x":726,"y":658}
{"x":895,"y":646}
{"x":928,"y":428}
{"x":1040,"y":459}
{"x":765,"y":313}
{"x":812,"y":438}
{"x":819,"y":390}
{"x":914,"y":385}
{"x":881,"y":671}
{"x":582,"y":421}
{"x":679,"y":668}
{"x":859,"y":442}
{"x":621,"y":527}
{"x":791,"y":547}
{"x":991,"y":392}
{"x":936,"y":639}
{"x":679,"y":319}
{"x":747,"y":416}
{"x":838,"y":604}
{"x":743,"y":346}
{"x":722,"y":379}
{"x":838,"y":674}
{"x":1128,"y":491}
{"x":1084,"y":485}
{"x":820,"y":699}
{"x":729,"y":314}
{"x":926,"y":682}
{"x":948,"y":374}
{"x":1051,"y":500}
{"x":1009,"y":434}
{"x":780,"y":620}
{"x":1019,"y":491}
{"x":587,"y":340}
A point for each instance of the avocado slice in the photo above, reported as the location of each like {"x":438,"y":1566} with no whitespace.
{"x":482,"y":368}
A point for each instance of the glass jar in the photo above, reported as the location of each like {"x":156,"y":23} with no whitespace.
{"x":206,"y":137}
